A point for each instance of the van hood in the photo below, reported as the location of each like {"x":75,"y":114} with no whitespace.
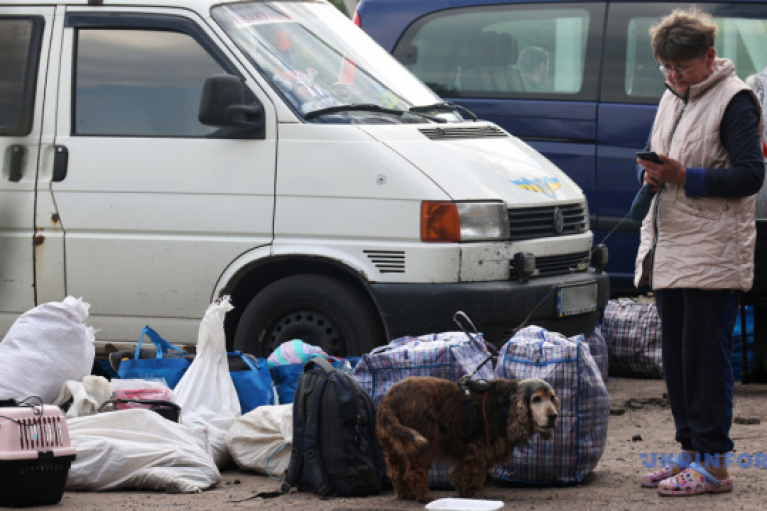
{"x":479,"y":161}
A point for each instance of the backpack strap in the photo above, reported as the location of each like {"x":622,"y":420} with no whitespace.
{"x":300,"y":421}
{"x":320,"y":362}
{"x":305,"y":456}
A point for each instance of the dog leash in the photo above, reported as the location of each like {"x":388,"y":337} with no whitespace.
{"x":461,"y":314}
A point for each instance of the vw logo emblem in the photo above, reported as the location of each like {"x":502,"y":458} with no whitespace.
{"x":559,"y":220}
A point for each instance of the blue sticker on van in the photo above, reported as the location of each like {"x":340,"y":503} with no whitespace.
{"x":547,"y":185}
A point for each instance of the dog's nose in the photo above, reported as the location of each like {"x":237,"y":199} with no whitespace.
{"x":552,"y":418}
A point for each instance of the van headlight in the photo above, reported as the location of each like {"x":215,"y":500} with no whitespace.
{"x":586,"y":218}
{"x":464,"y":221}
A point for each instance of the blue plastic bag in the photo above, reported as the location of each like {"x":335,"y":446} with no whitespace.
{"x":168,"y":368}
{"x":254,"y":385}
{"x":286,"y":376}
{"x":285,"y":381}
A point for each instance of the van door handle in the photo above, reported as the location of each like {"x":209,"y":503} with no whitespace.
{"x":17,"y":162}
{"x":60,"y":163}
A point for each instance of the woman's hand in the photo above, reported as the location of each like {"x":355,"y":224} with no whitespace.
{"x":670,"y":171}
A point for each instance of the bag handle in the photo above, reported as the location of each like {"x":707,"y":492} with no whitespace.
{"x":460,"y":316}
{"x":248,"y":359}
{"x":162,"y":345}
{"x":321,"y":362}
{"x":158,"y":402}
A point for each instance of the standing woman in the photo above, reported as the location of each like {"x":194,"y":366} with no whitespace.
{"x":697,"y":241}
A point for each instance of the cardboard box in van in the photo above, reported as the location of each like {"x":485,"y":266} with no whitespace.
{"x":159,"y":155}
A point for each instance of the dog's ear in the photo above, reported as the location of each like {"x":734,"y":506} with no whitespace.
{"x":555,"y":402}
{"x":520,"y":425}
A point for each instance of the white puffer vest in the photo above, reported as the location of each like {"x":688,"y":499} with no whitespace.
{"x":706,"y":242}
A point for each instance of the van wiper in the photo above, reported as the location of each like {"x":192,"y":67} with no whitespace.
{"x":367,"y":107}
{"x":445,"y":106}
{"x":363,"y":107}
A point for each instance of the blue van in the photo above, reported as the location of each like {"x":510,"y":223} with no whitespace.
{"x":576,"y":80}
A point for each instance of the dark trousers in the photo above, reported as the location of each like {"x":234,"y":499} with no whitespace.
{"x":696,"y":329}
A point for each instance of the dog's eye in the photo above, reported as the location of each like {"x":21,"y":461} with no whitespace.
{"x":536,"y":399}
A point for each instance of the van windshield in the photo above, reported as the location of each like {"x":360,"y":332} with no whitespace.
{"x":320,"y":63}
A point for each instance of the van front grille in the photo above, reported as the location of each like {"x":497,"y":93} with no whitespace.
{"x":556,"y":265}
{"x":533,"y":223}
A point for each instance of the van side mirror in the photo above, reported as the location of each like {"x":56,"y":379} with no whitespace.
{"x":223,"y":104}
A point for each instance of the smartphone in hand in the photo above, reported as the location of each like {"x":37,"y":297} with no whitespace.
{"x":649,"y":156}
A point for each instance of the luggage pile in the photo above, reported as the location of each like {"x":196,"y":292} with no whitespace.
{"x":170,"y":420}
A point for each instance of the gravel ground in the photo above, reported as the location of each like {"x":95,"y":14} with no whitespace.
{"x":640,"y":421}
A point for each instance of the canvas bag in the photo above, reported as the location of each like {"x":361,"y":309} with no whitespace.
{"x":261,"y":440}
{"x":46,"y":347}
{"x":167,"y":365}
{"x":580,"y":435}
{"x":631,"y":328}
{"x":447,"y":355}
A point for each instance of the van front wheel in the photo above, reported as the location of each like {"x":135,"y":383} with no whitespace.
{"x":317,"y":309}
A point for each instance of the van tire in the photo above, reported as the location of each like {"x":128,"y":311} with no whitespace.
{"x":316,"y":309}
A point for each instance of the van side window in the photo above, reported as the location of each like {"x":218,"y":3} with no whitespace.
{"x":20,"y":39}
{"x":137,"y":82}
{"x":742,"y":38}
{"x":506,"y":51}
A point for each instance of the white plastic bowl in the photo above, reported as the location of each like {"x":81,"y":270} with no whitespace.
{"x":464,"y":505}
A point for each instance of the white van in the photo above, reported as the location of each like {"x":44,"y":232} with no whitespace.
{"x":160,"y":154}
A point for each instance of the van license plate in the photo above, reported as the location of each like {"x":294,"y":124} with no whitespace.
{"x":576,"y":299}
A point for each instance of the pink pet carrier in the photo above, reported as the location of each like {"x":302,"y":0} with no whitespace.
{"x":35,"y":455}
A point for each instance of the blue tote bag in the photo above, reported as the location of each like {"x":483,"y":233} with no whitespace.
{"x":254,"y":384}
{"x":168,"y":365}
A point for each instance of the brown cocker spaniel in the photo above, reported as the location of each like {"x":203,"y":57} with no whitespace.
{"x":423,"y":419}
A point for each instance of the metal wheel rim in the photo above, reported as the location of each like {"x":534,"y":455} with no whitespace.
{"x":318,"y":329}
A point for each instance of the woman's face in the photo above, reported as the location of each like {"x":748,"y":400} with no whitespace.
{"x":684,"y":74}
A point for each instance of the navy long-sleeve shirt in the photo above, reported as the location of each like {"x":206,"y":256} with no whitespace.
{"x":740,"y":136}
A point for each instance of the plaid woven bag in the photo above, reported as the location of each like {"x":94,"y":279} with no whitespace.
{"x":447,"y":355}
{"x":632,"y":331}
{"x":580,"y":435}
{"x":598,"y":350}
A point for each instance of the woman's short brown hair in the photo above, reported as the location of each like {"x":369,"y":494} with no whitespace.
{"x":683,"y":35}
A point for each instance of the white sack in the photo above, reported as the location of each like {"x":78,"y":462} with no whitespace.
{"x":261,"y":440}
{"x":206,"y":394}
{"x":45,"y":347}
{"x":87,"y":395}
{"x":138,"y":449}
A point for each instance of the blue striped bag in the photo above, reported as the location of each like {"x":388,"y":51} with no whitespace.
{"x":580,"y":435}
{"x":448,"y":355}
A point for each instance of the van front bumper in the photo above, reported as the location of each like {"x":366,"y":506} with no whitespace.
{"x":496,"y":308}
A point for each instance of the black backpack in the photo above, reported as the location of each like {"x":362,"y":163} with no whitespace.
{"x":335,"y":450}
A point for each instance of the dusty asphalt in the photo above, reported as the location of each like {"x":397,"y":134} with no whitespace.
{"x":641,"y":423}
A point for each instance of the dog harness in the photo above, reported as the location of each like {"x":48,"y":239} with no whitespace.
{"x":466,"y":390}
